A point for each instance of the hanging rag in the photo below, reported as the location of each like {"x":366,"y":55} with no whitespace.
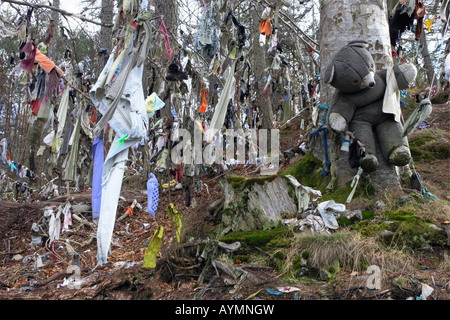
{"x":391,"y":100}
{"x":265,"y":26}
{"x":61,"y":117}
{"x":428,"y":23}
{"x":222,"y":105}
{"x":153,"y":103}
{"x":241,"y":28}
{"x":399,"y":23}
{"x":71,"y":167}
{"x":447,"y":67}
{"x":206,"y":38}
{"x":30,"y":49}
{"x":355,"y":153}
{"x":166,"y":37}
{"x":128,"y":118}
{"x":419,"y":14}
{"x":153,"y":248}
{"x":68,"y":132}
{"x":152,"y":194}
{"x":417,"y":117}
{"x":4,"y":145}
{"x":204,"y":95}
{"x":354,"y":184}
{"x":98,"y":155}
{"x":54,"y":226}
{"x":176,"y":218}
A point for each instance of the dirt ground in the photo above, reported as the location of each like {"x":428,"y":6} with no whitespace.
{"x":177,"y":273}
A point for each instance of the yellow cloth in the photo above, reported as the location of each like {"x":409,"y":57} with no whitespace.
{"x":176,"y":217}
{"x":153,"y":248}
{"x":428,"y":23}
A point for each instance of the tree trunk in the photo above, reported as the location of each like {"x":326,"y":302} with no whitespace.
{"x":34,"y":135}
{"x":427,"y":63}
{"x":342,"y":21}
{"x":106,"y":17}
{"x":167,"y":10}
{"x":259,"y":64}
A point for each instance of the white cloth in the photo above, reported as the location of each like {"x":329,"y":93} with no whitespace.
{"x":447,"y":68}
{"x":222,"y":105}
{"x":326,"y":209}
{"x":391,"y":101}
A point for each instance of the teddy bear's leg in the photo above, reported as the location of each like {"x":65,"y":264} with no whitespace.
{"x":364,"y":132}
{"x":393,"y":145}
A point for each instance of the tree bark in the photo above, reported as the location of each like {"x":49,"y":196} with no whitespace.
{"x":342,"y":21}
{"x":259,"y":64}
{"x":167,"y":11}
{"x":427,"y":63}
{"x":106,"y":16}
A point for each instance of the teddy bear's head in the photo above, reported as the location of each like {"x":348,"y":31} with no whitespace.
{"x":351,"y":69}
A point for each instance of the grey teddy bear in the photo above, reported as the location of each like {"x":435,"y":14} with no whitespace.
{"x":357,"y":105}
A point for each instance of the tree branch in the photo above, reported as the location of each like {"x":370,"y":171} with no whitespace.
{"x":63,"y":12}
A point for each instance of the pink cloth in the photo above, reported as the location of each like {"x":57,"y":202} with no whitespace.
{"x":166,"y":36}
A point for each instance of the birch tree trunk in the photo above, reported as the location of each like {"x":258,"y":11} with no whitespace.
{"x":259,"y":61}
{"x":342,"y":21}
{"x":106,"y":16}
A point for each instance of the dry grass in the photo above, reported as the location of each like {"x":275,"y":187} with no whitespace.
{"x":350,"y":250}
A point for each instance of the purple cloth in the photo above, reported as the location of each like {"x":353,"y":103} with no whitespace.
{"x":152,"y":194}
{"x":98,"y":153}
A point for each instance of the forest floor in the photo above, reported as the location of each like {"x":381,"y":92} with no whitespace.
{"x":178,"y":269}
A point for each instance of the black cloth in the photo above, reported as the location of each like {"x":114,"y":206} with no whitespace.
{"x":355,"y":153}
{"x":398,"y":24}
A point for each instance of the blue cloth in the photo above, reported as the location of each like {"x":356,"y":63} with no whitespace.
{"x":98,"y":153}
{"x":152,"y":194}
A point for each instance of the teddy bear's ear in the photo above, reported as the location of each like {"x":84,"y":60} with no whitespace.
{"x":329,"y":73}
{"x":358,"y":43}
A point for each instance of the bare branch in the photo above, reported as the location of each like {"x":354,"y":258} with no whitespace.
{"x":63,"y":12}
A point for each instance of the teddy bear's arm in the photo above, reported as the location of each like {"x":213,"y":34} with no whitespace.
{"x":405,"y":74}
{"x":341,"y":114}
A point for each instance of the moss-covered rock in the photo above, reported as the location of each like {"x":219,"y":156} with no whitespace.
{"x":255,"y":203}
{"x":257,"y":238}
{"x":429,"y":145}
{"x":401,"y":228}
{"x":308,"y":171}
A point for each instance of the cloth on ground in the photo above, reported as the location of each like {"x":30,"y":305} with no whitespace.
{"x":326,"y":210}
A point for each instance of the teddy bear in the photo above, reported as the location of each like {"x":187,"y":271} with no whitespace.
{"x":357,"y":105}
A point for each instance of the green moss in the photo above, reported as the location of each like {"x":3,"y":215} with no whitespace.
{"x":240,"y":182}
{"x":440,"y":98}
{"x":407,"y":229}
{"x":344,"y":221}
{"x":367,"y":214}
{"x":426,"y":147}
{"x":307,"y":171}
{"x":364,"y":190}
{"x":339,"y":195}
{"x":368,"y":228}
{"x":256,"y":238}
